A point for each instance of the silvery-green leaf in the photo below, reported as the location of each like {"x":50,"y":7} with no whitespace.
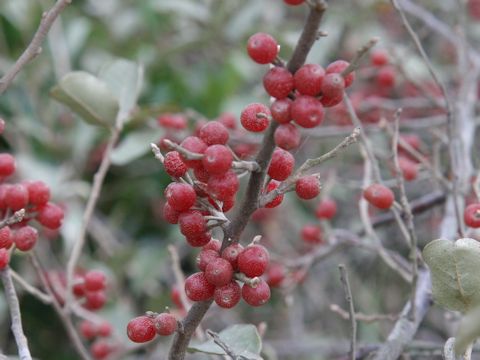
{"x":468,"y":331}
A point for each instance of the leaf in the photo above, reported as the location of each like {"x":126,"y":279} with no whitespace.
{"x":134,"y":146}
{"x":124,"y":78}
{"x":242,"y":339}
{"x":87,"y":96}
{"x":454,"y":267}
{"x":468,"y":331}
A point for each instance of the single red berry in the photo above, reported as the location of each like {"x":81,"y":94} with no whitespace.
{"x":198,"y":288}
{"x":214,"y":244}
{"x":25,"y":238}
{"x":379,"y":58}
{"x":141,"y":329}
{"x":228,"y":296}
{"x":165,"y":324}
{"x":192,"y":223}
{"x":307,"y":187}
{"x":50,"y":216}
{"x":337,"y":67}
{"x":272,"y":185}
{"x":217,"y":159}
{"x":281,"y":165}
{"x":100,"y":349}
{"x":379,"y":196}
{"x":7,"y":165}
{"x":105,"y":329}
{"x":4,"y":258}
{"x":255,"y":117}
{"x":6,"y":238}
{"x":287,"y":136}
{"x":293,"y":2}
{"x":311,"y":234}
{"x":326,"y":209}
{"x":386,"y":77}
{"x":262,"y":48}
{"x":95,"y":280}
{"x":308,"y":79}
{"x":333,"y":87}
{"x":278,"y":82}
{"x":172,"y":121}
{"x":214,"y":132}
{"x":78,"y":286}
{"x":201,"y":174}
{"x":195,"y":145}
{"x":205,"y":257}
{"x":2,"y":126}
{"x":408,"y":168}
{"x":223,"y":186}
{"x":253,"y":260}
{"x":199,"y":240}
{"x":231,"y":252}
{"x":38,"y":193}
{"x":180,"y":197}
{"x":307,"y":111}
{"x":95,"y":300}
{"x":275,"y":274}
{"x":280,"y":110}
{"x":16,"y":196}
{"x":471,"y":215}
{"x":219,"y":272}
{"x":88,"y":329}
{"x":174,"y":165}
{"x":170,"y":214}
{"x":257,"y":295}
{"x":228,"y":120}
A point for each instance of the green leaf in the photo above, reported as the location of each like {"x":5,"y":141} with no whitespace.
{"x":243,"y":340}
{"x":124,"y":78}
{"x":87,"y":96}
{"x":468,"y":331}
{"x":454,"y":268}
{"x":135,"y":145}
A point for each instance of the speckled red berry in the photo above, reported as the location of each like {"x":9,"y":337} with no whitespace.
{"x":311,"y":234}
{"x":337,"y":67}
{"x":38,"y":193}
{"x":174,"y":165}
{"x":253,"y":260}
{"x":262,"y":48}
{"x":326,"y":209}
{"x":165,"y":324}
{"x":228,"y":296}
{"x":50,"y":215}
{"x":6,"y":238}
{"x":198,"y":288}
{"x":281,"y":110}
{"x":95,"y":280}
{"x":180,"y":197}
{"x":191,"y":223}
{"x":7,"y":165}
{"x":255,"y":117}
{"x":258,"y":295}
{"x":471,"y":215}
{"x":231,"y":252}
{"x":272,"y":185}
{"x":223,"y":186}
{"x":214,"y":132}
{"x":141,"y":329}
{"x":379,"y":196}
{"x":195,"y":145}
{"x":281,"y":165}
{"x":278,"y":82}
{"x":205,"y":257}
{"x":287,"y":136}
{"x":308,"y":79}
{"x":25,"y":238}
{"x":307,"y":111}
{"x":217,"y":159}
{"x":307,"y":187}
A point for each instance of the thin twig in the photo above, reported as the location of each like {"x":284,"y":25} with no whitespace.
{"x":179,"y":277}
{"x":355,"y":62}
{"x":46,"y":299}
{"x":351,"y":309}
{"x":359,"y":316}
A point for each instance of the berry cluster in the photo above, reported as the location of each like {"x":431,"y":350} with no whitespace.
{"x":99,"y":333}
{"x":144,"y":328}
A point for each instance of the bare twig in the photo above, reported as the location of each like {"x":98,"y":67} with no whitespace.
{"x":351,"y":309}
{"x":30,"y":288}
{"x":359,"y":316}
{"x":179,"y":277}
{"x":35,"y":46}
{"x":354,"y":63}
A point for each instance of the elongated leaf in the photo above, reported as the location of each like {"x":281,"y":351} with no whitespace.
{"x":87,"y":96}
{"x":454,"y":267}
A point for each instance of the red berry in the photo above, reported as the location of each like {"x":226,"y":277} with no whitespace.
{"x":474,"y":9}
{"x":165,"y":324}
{"x":25,"y":238}
{"x":214,"y":132}
{"x":272,"y":185}
{"x":50,"y":216}
{"x":219,"y":272}
{"x":38,"y":193}
{"x":4,"y":258}
{"x":105,"y":329}
{"x":228,"y":296}
{"x":176,"y":297}
{"x":180,"y":197}
{"x":195,"y":145}
{"x":281,"y":165}
{"x":88,"y":329}
{"x":411,"y":139}
{"x":386,"y":77}
{"x":258,"y":295}
{"x":280,"y":110}
{"x":228,"y":120}
{"x":308,"y":79}
{"x":254,"y":117}
{"x":6,"y":238}
{"x":214,"y":244}
{"x":16,"y":197}
{"x":141,"y":329}
{"x":275,"y":274}
{"x":172,"y":121}
{"x":223,"y":186}
{"x":7,"y":165}
{"x":287,"y":136}
{"x":326,"y":209}
{"x":253,"y":260}
{"x":217,"y":159}
{"x":231,"y":252}
{"x":2,"y":126}
{"x":201,"y":174}
{"x":311,"y":234}
{"x":332,"y":90}
{"x":471,"y":215}
{"x":307,"y":187}
{"x":278,"y":82}
{"x":170,"y":214}
{"x":307,"y":111}
{"x":198,"y":288}
{"x":408,"y":168}
{"x":100,"y":349}
{"x":262,"y":48}
{"x":293,"y":2}
{"x":205,"y":257}
{"x":174,"y":166}
{"x":199,"y":240}
{"x":337,"y":67}
{"x":95,"y":280}
{"x":192,"y":223}
{"x":379,"y":196}
{"x":95,"y":300}
{"x":379,"y":58}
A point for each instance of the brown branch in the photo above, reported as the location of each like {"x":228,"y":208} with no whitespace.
{"x":359,"y":316}
{"x":351,"y":310}
{"x":35,"y":46}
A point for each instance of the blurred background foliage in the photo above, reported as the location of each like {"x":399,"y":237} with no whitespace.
{"x":194,"y":59}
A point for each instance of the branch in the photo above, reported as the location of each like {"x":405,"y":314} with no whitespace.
{"x":15,"y":315}
{"x":351,"y":309}
{"x":366,"y":318}
{"x":35,"y":47}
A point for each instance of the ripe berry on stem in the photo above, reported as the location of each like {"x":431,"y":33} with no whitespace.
{"x":141,"y":329}
{"x":262,"y":48}
{"x":379,"y":196}
{"x":253,"y":260}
